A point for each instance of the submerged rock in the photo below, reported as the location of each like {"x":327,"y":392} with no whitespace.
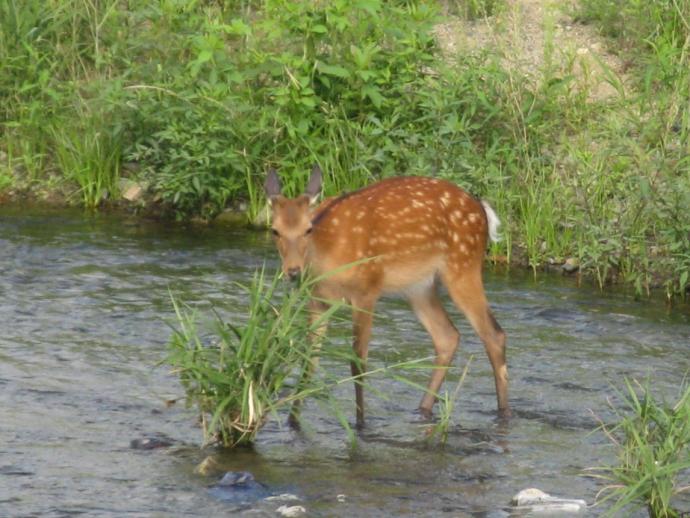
{"x":207,"y":466}
{"x":283,"y":497}
{"x":151,"y":443}
{"x":239,"y":487}
{"x":538,"y":502}
{"x":237,"y":478}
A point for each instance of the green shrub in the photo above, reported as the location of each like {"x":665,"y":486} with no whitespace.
{"x":292,"y":84}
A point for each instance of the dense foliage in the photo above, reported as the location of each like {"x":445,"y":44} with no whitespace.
{"x":195,"y":100}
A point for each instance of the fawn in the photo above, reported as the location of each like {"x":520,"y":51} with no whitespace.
{"x":404,"y":235}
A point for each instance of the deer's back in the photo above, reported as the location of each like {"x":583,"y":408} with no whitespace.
{"x":401,"y":231}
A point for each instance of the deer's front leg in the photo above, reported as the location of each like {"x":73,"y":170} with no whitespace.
{"x":362,"y":319}
{"x":318,"y":327}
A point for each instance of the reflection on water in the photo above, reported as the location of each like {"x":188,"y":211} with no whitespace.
{"x":84,"y":312}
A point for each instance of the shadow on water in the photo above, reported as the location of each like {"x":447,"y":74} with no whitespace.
{"x":85,"y":428}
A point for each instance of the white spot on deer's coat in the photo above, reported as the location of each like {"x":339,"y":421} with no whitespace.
{"x":445,"y":199}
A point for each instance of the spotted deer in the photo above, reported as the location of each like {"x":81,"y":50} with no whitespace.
{"x":403,"y":235}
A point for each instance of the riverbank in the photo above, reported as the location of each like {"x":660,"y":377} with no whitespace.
{"x":570,"y":119}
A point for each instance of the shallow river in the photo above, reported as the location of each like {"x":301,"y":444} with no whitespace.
{"x":84,"y":320}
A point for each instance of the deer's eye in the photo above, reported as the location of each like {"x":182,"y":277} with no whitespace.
{"x":275,"y":232}
{"x":308,"y":231}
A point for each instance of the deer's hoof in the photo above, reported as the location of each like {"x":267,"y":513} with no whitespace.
{"x":505,"y":413}
{"x":293,"y":422}
{"x":425,"y":414}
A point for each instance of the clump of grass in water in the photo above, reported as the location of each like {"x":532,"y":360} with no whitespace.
{"x":653,"y":444}
{"x":249,"y":370}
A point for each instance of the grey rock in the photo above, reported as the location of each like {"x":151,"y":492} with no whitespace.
{"x":130,"y":190}
{"x":239,"y":487}
{"x":151,"y":443}
{"x":237,"y":478}
{"x":571,"y":265}
{"x":537,"y":502}
{"x":291,"y":511}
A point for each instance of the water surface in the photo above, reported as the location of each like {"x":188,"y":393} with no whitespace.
{"x":84,"y":313}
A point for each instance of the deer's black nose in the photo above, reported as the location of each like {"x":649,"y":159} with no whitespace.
{"x":294,"y":273}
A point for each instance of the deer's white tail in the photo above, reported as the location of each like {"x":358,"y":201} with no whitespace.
{"x":494,"y":222}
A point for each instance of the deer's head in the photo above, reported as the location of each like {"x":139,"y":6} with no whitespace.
{"x":291,"y":221}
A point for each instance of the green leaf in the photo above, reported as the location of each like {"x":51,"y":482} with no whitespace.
{"x":204,"y":56}
{"x":373,"y":94}
{"x":333,"y":70}
{"x":366,"y":75}
{"x":308,"y":101}
{"x":645,"y":187}
{"x":238,"y":28}
{"x":370,"y":6}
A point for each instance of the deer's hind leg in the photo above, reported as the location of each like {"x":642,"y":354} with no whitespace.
{"x":467,"y":291}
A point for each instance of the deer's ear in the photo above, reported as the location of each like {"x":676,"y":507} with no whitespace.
{"x":313,"y":189}
{"x":272,"y":185}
